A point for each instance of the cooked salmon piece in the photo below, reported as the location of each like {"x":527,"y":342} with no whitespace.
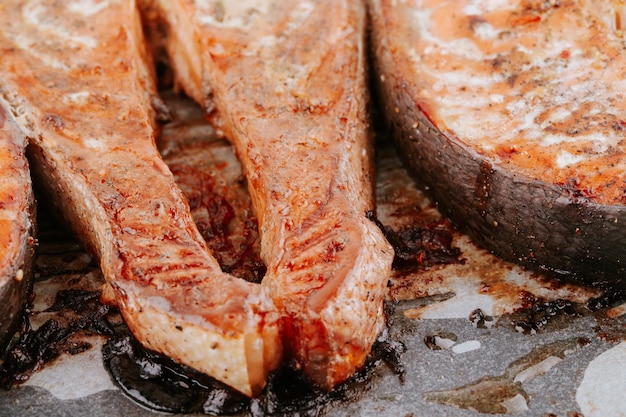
{"x":17,"y":226}
{"x":286,"y":84}
{"x":512,"y":114}
{"x":77,"y":78}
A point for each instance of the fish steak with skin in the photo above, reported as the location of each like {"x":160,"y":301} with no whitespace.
{"x":286,"y":84}
{"x":17,"y":226}
{"x":77,"y":79}
{"x":512,"y":114}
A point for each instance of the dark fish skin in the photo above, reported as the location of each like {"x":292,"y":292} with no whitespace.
{"x":547,"y":191}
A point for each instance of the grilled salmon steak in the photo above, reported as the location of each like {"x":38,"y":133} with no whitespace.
{"x":286,"y":83}
{"x":77,"y":79}
{"x":512,"y":113}
{"x":17,"y":226}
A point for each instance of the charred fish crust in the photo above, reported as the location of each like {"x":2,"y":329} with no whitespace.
{"x":546,"y":225}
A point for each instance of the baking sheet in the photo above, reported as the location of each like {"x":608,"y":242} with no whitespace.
{"x":458,"y":361}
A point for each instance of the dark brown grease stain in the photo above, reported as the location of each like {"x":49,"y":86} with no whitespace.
{"x":417,"y":248}
{"x":614,"y":295}
{"x":490,"y":394}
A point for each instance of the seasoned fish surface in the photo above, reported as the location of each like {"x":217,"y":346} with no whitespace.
{"x":512,"y":112}
{"x":286,"y":83}
{"x":78,"y":79}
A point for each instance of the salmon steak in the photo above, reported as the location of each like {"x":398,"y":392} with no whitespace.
{"x":286,"y":83}
{"x":17,"y":226}
{"x":77,"y":80}
{"x":512,"y":115}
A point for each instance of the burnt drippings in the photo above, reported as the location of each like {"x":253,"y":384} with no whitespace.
{"x":91,"y":313}
{"x":613,"y":295}
{"x":389,"y":350}
{"x":440,"y":340}
{"x":158,"y":383}
{"x":479,"y":319}
{"x":613,"y":300}
{"x":421,"y":247}
{"x":241,"y":259}
{"x":541,"y":312}
{"x":33,"y":348}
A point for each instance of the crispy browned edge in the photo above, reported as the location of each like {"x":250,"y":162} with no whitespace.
{"x":537,"y":224}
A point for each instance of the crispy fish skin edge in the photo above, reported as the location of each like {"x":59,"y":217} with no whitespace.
{"x":523,"y":220}
{"x":330,"y":331}
{"x":233,"y":337}
{"x":16,"y":260}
